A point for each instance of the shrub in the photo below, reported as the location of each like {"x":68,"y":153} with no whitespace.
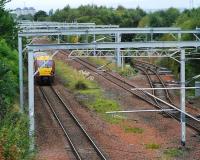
{"x":14,"y":137}
{"x":80,"y":85}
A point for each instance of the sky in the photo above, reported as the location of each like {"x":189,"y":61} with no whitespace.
{"x":46,"y":5}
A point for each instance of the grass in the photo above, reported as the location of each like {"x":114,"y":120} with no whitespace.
{"x":152,"y":146}
{"x":89,"y":92}
{"x":71,"y":77}
{"x":173,"y":152}
{"x":127,"y":71}
{"x":134,"y":130}
{"x":102,"y":61}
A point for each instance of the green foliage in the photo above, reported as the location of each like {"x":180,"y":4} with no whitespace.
{"x":72,"y":78}
{"x":25,"y":17}
{"x":162,"y":18}
{"x":80,"y":85}
{"x":104,"y":105}
{"x":152,"y":146}
{"x":135,"y":130}
{"x":8,"y":77}
{"x":40,"y":16}
{"x":14,"y":137}
{"x":173,"y":152}
{"x":100,"y":15}
{"x":3,"y":2}
{"x":101,"y":105}
{"x":8,"y":31}
{"x":127,"y":71}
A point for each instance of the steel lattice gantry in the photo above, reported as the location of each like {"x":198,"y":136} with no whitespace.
{"x":177,"y":45}
{"x":136,"y":45}
{"x":111,"y":45}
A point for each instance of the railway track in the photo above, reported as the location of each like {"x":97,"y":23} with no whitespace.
{"x":82,"y":145}
{"x":149,"y":70}
{"x":120,"y":82}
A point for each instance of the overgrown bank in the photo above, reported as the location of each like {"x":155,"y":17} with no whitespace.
{"x":14,"y":138}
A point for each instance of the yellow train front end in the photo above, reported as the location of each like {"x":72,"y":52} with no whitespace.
{"x":45,"y":69}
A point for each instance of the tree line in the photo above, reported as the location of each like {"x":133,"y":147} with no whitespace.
{"x":187,"y":19}
{"x":171,"y":17}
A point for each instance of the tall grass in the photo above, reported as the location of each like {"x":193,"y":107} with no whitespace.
{"x":93,"y":95}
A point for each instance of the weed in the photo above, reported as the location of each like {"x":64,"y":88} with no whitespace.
{"x":152,"y":146}
{"x":136,"y":130}
{"x":173,"y":152}
{"x":127,"y":71}
{"x":113,"y":119}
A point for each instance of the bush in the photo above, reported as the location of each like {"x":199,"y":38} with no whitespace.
{"x":14,"y":137}
{"x":8,"y":78}
{"x":127,"y":71}
{"x":80,"y":85}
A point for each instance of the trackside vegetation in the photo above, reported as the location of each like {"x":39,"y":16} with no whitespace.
{"x":14,"y":139}
{"x":106,"y":64}
{"x":91,"y":95}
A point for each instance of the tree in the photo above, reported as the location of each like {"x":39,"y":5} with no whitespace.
{"x":40,"y":16}
{"x":3,"y":2}
{"x":8,"y":29}
{"x":25,"y":17}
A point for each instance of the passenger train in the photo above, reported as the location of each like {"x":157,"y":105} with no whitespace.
{"x":44,"y":68}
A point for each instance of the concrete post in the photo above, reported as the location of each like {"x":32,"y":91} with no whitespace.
{"x":151,"y":35}
{"x":94,"y":40}
{"x":179,"y":36}
{"x":118,"y":53}
{"x":31,"y":97}
{"x":197,"y":90}
{"x":21,"y":74}
{"x":182,"y":98}
{"x":58,"y":39}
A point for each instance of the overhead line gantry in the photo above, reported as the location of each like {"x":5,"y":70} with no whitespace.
{"x":177,"y":45}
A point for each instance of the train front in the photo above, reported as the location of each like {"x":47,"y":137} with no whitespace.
{"x":45,"y":68}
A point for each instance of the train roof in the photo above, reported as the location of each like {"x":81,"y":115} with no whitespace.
{"x":37,"y":54}
{"x":43,"y":58}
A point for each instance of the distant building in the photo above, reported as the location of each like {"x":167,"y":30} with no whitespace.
{"x":24,"y":11}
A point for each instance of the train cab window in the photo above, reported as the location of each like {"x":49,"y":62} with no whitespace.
{"x":45,"y":64}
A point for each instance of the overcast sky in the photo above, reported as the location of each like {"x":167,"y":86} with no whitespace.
{"x":145,"y":4}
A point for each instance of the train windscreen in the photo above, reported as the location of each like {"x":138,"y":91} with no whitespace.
{"x":45,"y":64}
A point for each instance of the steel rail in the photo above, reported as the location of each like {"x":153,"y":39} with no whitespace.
{"x":98,"y":151}
{"x":174,"y":115}
{"x":121,"y":86}
{"x":153,"y":68}
{"x":61,"y":125}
